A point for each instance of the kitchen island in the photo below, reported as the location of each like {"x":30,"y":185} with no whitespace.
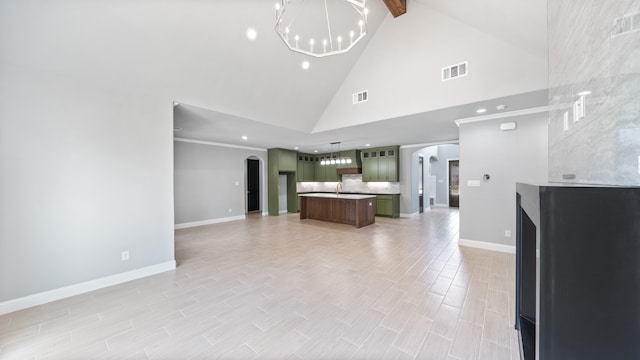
{"x":353,"y":209}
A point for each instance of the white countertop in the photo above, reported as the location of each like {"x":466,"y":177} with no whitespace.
{"x":341,"y":196}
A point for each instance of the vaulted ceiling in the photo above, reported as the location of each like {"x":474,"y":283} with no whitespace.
{"x":196,"y":52}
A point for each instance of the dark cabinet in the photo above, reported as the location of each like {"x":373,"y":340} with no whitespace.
{"x":578,"y":271}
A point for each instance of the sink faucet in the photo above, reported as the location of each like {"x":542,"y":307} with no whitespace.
{"x":338,"y":188}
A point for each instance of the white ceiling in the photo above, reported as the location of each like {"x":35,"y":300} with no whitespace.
{"x":519,"y":23}
{"x":196,"y":52}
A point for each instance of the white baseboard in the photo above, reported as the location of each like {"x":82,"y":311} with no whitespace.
{"x":81,"y":288}
{"x":265,"y":213}
{"x":409,"y":215}
{"x":283,"y":211}
{"x":511,"y":249}
{"x":209,"y":222}
{"x":440,"y":205}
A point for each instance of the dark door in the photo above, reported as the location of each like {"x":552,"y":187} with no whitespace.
{"x":454,"y":186}
{"x":421,"y":184}
{"x":253,"y":185}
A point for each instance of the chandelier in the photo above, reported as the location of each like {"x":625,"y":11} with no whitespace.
{"x":307,"y":27}
{"x":332,"y":160}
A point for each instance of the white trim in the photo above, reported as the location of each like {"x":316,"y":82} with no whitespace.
{"x":265,"y":213}
{"x":440,"y":205}
{"x":402,"y":215}
{"x":283,"y":211}
{"x":510,"y":249}
{"x":84,"y":287}
{"x":502,"y":115}
{"x":201,"y":142}
{"x":209,"y":222}
{"x":423,"y":145}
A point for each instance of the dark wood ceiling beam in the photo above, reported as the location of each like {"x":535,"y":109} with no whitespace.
{"x":396,"y":7}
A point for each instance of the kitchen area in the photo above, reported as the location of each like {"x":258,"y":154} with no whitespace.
{"x":369,"y":175}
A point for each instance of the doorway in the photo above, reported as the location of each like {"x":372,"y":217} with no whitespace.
{"x":420,"y":184}
{"x":453,"y":171}
{"x":253,"y":185}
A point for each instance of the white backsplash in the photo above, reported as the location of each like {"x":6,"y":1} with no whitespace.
{"x":351,"y":184}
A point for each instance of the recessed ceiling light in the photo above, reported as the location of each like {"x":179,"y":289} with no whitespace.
{"x":367,"y":145}
{"x":296,"y":148}
{"x":481,"y":110}
{"x":305,"y":65}
{"x":251,"y":33}
{"x":315,"y":151}
{"x":501,"y":107}
{"x":244,"y":137}
{"x":584,"y":93}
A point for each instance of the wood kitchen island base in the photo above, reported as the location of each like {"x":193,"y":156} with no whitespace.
{"x":356,"y":210}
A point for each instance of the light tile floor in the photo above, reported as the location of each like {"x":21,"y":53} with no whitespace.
{"x":281,"y":288}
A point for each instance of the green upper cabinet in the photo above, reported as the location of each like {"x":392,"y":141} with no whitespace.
{"x":380,"y":164}
{"x":306,"y":167}
{"x":287,"y":160}
{"x":324,"y":172}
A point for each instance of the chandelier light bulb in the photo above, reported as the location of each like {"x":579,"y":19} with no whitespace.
{"x":348,"y":160}
{"x":288,"y":11}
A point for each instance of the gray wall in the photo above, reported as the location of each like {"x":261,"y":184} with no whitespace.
{"x":408,"y":181}
{"x":206,"y":178}
{"x":585,"y":54}
{"x":508,"y":157}
{"x":85,"y":173}
{"x":439,"y":170}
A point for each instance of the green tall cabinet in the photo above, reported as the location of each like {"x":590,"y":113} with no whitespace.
{"x":282,"y":161}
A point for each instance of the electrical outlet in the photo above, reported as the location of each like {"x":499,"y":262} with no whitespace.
{"x":125,"y":255}
{"x":507,"y":233}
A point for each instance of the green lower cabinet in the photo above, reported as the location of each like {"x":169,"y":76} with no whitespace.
{"x":388,"y":205}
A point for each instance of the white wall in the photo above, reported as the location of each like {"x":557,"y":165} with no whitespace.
{"x":210,"y":182}
{"x":85,"y":173}
{"x":401,"y":69}
{"x":508,"y":157}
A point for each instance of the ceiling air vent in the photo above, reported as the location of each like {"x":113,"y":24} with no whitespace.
{"x":360,"y":97}
{"x":454,"y":71}
{"x":626,"y":24}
